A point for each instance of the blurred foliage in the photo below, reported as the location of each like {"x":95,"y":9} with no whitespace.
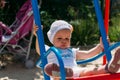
{"x":114,"y":29}
{"x":8,"y":13}
{"x":84,"y":32}
{"x":80,"y":13}
{"x":115,"y":8}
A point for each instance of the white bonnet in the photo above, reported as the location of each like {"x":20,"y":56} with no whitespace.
{"x":56,"y":26}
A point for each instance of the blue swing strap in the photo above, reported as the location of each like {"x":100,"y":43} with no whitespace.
{"x":57,"y":53}
{"x":40,"y":35}
{"x":60,"y":61}
{"x":113,"y":46}
{"x":102,"y":29}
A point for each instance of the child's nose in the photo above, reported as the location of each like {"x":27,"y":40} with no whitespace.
{"x":64,"y":40}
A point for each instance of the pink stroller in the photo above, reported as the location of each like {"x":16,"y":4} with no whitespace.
{"x":13,"y":38}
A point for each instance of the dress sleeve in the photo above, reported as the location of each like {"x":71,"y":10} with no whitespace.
{"x":74,"y":50}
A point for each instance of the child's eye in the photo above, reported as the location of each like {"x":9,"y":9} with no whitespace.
{"x":59,"y":38}
{"x":67,"y":39}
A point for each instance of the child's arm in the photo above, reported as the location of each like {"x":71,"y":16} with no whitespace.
{"x":37,"y":46}
{"x":90,"y":53}
{"x":35,"y":28}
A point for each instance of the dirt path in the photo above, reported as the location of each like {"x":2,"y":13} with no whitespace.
{"x":17,"y":71}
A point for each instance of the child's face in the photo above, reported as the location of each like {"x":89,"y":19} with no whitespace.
{"x":62,"y":39}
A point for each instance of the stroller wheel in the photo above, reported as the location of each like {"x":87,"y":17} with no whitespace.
{"x":29,"y":64}
{"x":2,"y":66}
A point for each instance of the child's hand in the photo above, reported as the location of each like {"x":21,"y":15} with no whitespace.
{"x":101,"y":42}
{"x":35,"y":28}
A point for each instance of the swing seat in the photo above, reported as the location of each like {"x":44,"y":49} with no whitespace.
{"x":44,"y":53}
{"x":115,"y":76}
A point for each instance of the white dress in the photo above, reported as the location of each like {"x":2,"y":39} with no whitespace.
{"x":69,"y":60}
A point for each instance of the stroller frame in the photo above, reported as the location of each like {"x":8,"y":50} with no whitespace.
{"x":24,"y":19}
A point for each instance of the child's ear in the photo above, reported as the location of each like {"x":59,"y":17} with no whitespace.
{"x":71,"y":28}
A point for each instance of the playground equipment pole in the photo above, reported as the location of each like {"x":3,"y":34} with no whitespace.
{"x":40,"y":36}
{"x":106,"y":22}
{"x":102,"y":29}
